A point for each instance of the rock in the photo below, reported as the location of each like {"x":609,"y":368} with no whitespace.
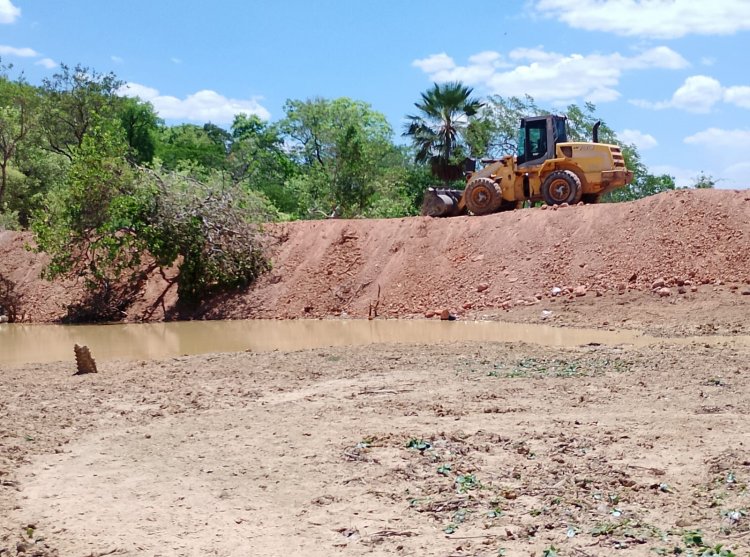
{"x":658,"y":283}
{"x":664,"y":292}
{"x":562,"y":205}
{"x":445,"y":315}
{"x":579,"y":291}
{"x":429,"y":314}
{"x":4,"y":319}
{"x":746,"y":292}
{"x":482,"y":286}
{"x":544,"y":207}
{"x":546,"y":314}
{"x":693,"y":289}
{"x":556,"y":291}
{"x":598,"y":293}
{"x":468,"y":305}
{"x":682,"y":290}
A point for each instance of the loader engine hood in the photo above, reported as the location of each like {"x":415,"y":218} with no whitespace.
{"x":593,"y":157}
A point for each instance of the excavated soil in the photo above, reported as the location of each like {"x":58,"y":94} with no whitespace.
{"x":457,"y":449}
{"x":692,"y":244}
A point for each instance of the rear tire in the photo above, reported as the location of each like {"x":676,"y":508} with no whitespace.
{"x":483,"y":196}
{"x":562,"y":186}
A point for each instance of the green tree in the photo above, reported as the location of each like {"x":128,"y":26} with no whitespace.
{"x":258,"y":159}
{"x":438,"y":132}
{"x":74,"y":100}
{"x":341,"y":146}
{"x":704,"y":182}
{"x":187,"y":144}
{"x":17,"y":119}
{"x":141,"y":125}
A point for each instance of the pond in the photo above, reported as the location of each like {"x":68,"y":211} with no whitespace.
{"x":20,"y":343}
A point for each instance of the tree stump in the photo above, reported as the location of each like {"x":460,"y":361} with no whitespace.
{"x":84,"y":362}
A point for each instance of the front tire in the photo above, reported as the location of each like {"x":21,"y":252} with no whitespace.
{"x":483,"y":196}
{"x":562,"y":186}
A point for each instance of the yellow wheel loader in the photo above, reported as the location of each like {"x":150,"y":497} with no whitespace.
{"x":546,"y":168}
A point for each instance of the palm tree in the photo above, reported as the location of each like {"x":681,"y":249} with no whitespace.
{"x":445,"y":112}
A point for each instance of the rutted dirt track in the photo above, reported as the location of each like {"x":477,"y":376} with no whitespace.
{"x":462,"y":449}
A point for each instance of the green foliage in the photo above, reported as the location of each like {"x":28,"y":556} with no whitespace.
{"x":74,"y":224}
{"x":439,"y":130}
{"x":644,"y":183}
{"x":704,"y":181}
{"x":343,"y":147}
{"x":74,"y":101}
{"x":191,"y":144}
{"x":211,"y":228}
{"x":112,"y":224}
{"x":258,"y":159}
{"x":17,"y":122}
{"x":140,"y":124}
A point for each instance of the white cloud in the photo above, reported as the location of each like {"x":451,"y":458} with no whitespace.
{"x":719,"y":139}
{"x":727,"y":151}
{"x":735,"y":176}
{"x":738,"y":95}
{"x":48,"y":63}
{"x":699,"y":94}
{"x":641,"y":140}
{"x":176,"y":60}
{"x":548,"y":76}
{"x":8,"y":12}
{"x":660,"y":19}
{"x":203,"y":106}
{"x":6,"y":50}
{"x":116,"y":59}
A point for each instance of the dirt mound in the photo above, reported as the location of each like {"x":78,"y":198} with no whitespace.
{"x":411,"y":266}
{"x":470,"y":264}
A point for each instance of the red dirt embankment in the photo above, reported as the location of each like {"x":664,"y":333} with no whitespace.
{"x":466,"y":264}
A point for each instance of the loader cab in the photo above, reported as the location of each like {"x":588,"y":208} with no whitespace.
{"x":537,"y":138}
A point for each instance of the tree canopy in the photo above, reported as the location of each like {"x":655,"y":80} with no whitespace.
{"x":439,"y":130}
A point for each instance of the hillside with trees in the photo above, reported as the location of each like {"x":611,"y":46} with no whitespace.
{"x":113,"y":193}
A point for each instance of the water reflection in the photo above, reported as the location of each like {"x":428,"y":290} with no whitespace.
{"x":47,"y":343}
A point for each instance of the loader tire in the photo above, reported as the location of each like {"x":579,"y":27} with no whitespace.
{"x":483,"y":196}
{"x":562,"y":186}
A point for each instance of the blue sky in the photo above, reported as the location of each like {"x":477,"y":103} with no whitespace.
{"x":670,"y":76}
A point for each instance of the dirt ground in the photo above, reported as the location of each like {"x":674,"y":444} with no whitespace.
{"x":455,"y":450}
{"x":459,"y":449}
{"x":686,"y":249}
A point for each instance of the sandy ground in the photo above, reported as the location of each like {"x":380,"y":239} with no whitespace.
{"x":455,"y":450}
{"x":473,"y":449}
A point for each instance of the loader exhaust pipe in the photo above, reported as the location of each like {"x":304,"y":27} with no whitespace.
{"x":596,"y":131}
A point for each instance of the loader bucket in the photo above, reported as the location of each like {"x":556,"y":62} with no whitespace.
{"x":439,"y":202}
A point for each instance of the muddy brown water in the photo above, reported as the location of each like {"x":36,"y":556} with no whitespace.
{"x":23,"y":344}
